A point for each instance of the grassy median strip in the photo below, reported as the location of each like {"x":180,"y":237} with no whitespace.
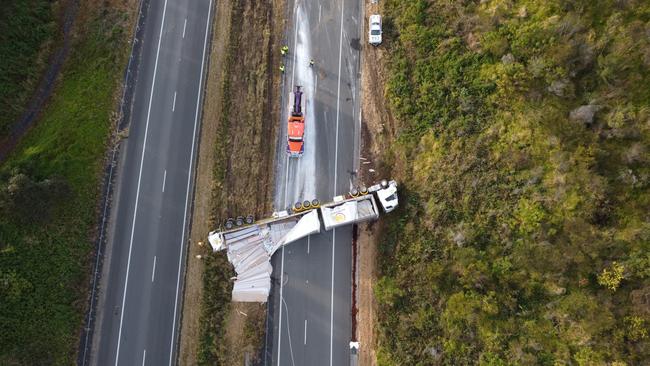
{"x":242,"y":174}
{"x":49,"y":188}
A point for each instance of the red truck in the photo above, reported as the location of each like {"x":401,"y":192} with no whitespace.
{"x":296,"y":126}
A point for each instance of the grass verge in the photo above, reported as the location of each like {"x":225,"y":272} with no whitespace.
{"x":242,"y":174}
{"x":49,"y":189}
{"x":28,"y":29}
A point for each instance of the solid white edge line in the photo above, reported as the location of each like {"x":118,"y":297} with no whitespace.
{"x":184,"y":26}
{"x":332,"y":296}
{"x":164,"y":180}
{"x":137,"y":194}
{"x":336,"y":160}
{"x":189,"y":180}
{"x":305,"y":331}
{"x":308,"y":243}
{"x":153,"y":271}
{"x":174,"y":103}
{"x":144,"y":356}
{"x":286,"y":190}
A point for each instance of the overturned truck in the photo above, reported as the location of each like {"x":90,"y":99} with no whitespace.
{"x":251,"y":244}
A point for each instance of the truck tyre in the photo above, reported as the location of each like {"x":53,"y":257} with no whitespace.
{"x":306,"y":204}
{"x":315,"y":203}
{"x":297,"y":207}
{"x":250,"y":219}
{"x":229,"y":224}
{"x":239,"y":221}
{"x":354,"y":192}
{"x":384,"y":183}
{"x":363,"y":190}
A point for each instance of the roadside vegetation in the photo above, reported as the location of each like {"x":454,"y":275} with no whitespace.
{"x":523,"y":153}
{"x":246,"y":110}
{"x":49,"y":191}
{"x":27,"y":31}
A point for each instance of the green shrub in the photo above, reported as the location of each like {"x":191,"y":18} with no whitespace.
{"x":49,"y":191}
{"x":517,"y":220}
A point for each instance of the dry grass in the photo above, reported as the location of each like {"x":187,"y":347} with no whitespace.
{"x":201,"y":223}
{"x":235,"y":176}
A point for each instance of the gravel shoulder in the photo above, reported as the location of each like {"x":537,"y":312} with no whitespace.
{"x":377,"y":125}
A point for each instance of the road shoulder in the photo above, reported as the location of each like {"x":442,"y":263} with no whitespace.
{"x":376,"y":125}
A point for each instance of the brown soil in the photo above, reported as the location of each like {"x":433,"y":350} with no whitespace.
{"x":377,"y":124}
{"x":234,"y":176}
{"x":366,"y":242}
{"x":244,"y":333}
{"x":201,"y":223}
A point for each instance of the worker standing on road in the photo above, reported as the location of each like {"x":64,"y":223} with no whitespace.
{"x":282,"y":69}
{"x":284,"y":50}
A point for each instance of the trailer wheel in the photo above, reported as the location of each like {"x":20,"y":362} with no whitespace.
{"x":306,"y":204}
{"x":297,"y":207}
{"x":250,"y":219}
{"x":315,"y":203}
{"x":363,"y":190}
{"x":384,"y":183}
{"x":239,"y":221}
{"x":229,"y":224}
{"x":354,"y":192}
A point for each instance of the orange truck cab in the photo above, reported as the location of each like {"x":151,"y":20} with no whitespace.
{"x":296,"y":126}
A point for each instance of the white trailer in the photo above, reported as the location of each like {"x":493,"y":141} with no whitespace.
{"x":349,"y":211}
{"x":250,"y":245}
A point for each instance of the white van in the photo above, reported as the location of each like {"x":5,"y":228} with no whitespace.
{"x":374,"y":34}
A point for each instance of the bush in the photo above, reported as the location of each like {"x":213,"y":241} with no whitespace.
{"x":524,"y":239}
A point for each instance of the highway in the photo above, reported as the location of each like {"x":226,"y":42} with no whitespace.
{"x":140,"y":289}
{"x":310,"y":305}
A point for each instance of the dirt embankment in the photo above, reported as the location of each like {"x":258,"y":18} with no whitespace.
{"x":234,"y":177}
{"x":377,"y":128}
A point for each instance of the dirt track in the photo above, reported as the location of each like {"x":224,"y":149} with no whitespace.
{"x":377,"y":125}
{"x":47,"y":83}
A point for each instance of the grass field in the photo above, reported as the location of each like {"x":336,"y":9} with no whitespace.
{"x":49,"y":188}
{"x":27,"y":30}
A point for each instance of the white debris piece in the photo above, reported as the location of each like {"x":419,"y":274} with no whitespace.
{"x":307,"y":225}
{"x":250,"y":249}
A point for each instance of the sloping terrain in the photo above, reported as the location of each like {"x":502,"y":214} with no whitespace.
{"x":49,"y":193}
{"x":521,"y":142}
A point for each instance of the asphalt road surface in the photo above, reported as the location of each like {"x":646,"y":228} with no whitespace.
{"x":139,"y":294}
{"x":310,"y":305}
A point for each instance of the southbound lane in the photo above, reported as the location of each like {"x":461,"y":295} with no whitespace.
{"x":310,"y":305}
{"x":139,"y":295}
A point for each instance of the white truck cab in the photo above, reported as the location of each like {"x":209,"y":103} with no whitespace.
{"x":387,"y":195}
{"x":374,"y":32}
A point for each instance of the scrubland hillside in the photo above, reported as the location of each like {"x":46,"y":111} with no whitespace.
{"x":522,"y":146}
